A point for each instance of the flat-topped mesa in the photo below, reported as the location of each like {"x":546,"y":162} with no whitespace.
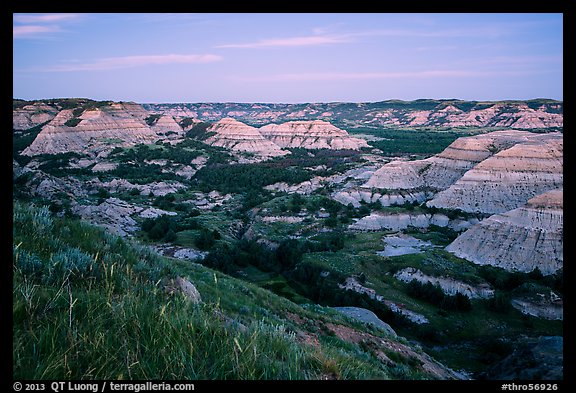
{"x":93,"y":130}
{"x":509,"y":178}
{"x":316,"y":134}
{"x":237,"y":136}
{"x":521,"y":239}
{"x":32,"y":115}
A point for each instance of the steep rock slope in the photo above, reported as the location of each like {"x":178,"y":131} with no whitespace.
{"x":93,"y":130}
{"x":519,"y":240}
{"x":315,"y":134}
{"x":234,"y":135}
{"x":32,"y":115}
{"x":509,"y":178}
{"x":442,"y":170}
{"x":488,"y":173}
{"x":166,"y":127}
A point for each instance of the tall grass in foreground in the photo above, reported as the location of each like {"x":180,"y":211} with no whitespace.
{"x":89,"y":305}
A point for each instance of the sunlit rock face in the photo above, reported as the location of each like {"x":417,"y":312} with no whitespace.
{"x":521,"y":239}
{"x":315,"y":134}
{"x":235,"y":135}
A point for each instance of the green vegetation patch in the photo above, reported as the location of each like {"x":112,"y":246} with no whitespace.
{"x":74,"y":284}
{"x":399,"y":142}
{"x":240,"y":178}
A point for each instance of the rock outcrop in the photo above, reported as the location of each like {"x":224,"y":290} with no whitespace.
{"x":444,"y":169}
{"x":509,"y":178}
{"x":488,"y":173}
{"x":113,"y":214}
{"x":448,"y":285}
{"x":400,"y":221}
{"x":166,"y":127}
{"x":531,"y":114}
{"x":32,"y":115}
{"x":237,"y":136}
{"x":522,"y":239}
{"x":366,"y":316}
{"x":315,"y":134}
{"x":93,"y":131}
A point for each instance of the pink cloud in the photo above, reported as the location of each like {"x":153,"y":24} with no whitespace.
{"x":291,"y":41}
{"x":32,"y":30}
{"x":111,"y":63}
{"x":43,"y":18}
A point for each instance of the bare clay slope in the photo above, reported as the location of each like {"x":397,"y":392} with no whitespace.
{"x":509,"y":178}
{"x":487,"y":173}
{"x":93,"y":130}
{"x":235,"y":135}
{"x":315,"y":134}
{"x":518,"y":240}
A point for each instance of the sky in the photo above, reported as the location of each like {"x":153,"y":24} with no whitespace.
{"x":287,"y":57}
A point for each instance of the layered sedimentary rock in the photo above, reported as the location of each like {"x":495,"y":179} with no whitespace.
{"x":416,"y":181}
{"x":234,"y":135}
{"x":509,"y":178}
{"x":518,"y":115}
{"x":167,"y":127}
{"x":32,"y":115}
{"x":442,"y":170}
{"x":522,"y":239}
{"x":448,"y":285}
{"x":93,"y":131}
{"x":399,"y":221}
{"x":488,"y":173}
{"x":315,"y":134}
{"x":531,"y":114}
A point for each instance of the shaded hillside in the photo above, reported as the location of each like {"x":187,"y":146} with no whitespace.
{"x":89,"y":305}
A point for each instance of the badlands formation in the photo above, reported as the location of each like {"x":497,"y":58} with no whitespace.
{"x":315,"y":134}
{"x":496,"y":175}
{"x":486,"y":174}
{"x":270,"y":140}
{"x":521,"y":239}
{"x":524,"y":115}
{"x":166,"y":126}
{"x":32,"y":115}
{"x":514,"y":177}
{"x":234,"y":135}
{"x":509,"y":178}
{"x":93,"y":130}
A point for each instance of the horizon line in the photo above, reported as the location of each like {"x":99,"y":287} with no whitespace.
{"x":295,"y":103}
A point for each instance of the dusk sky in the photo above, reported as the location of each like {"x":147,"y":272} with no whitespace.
{"x":287,"y":57}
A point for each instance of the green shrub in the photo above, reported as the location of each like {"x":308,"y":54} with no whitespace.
{"x":500,"y":302}
{"x":73,"y":122}
{"x":73,"y":264}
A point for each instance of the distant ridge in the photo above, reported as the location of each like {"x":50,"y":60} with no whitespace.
{"x":528,"y":114}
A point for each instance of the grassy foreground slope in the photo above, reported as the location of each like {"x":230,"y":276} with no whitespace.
{"x":89,"y":305}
